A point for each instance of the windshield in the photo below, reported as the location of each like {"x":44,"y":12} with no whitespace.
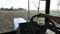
{"x":55,"y":9}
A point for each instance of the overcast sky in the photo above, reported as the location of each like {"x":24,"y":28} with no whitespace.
{"x":24,"y":4}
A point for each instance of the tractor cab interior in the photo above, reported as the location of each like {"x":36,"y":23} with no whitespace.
{"x":33,"y":27}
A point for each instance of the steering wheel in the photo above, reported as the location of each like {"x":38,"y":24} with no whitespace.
{"x":49,"y":25}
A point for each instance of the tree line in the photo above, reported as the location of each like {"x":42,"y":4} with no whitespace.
{"x":11,"y":9}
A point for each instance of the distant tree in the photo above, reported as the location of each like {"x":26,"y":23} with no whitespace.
{"x":20,"y":9}
{"x":6,"y":9}
{"x":11,"y":8}
{"x":2,"y":8}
